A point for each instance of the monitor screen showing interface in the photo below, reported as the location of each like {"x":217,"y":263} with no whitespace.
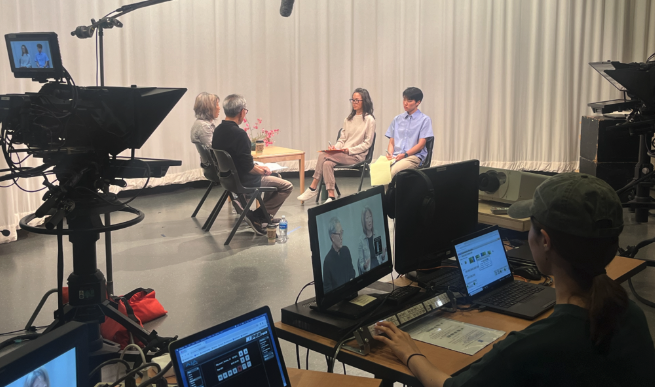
{"x":483,"y":261}
{"x":31,"y":54}
{"x":60,"y":371}
{"x":352,"y":241}
{"x":245,"y":354}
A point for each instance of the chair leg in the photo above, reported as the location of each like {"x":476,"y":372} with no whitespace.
{"x":211,"y":185}
{"x":319,"y":187}
{"x":217,"y":209}
{"x":260,"y":200}
{"x":336,"y":188}
{"x":246,"y":209}
{"x":361,"y":179}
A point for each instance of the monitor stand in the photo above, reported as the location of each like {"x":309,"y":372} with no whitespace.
{"x":350,"y":310}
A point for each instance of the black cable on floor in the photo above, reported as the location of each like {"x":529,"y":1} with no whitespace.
{"x":638,"y":297}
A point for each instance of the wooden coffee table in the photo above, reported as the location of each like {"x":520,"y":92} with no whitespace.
{"x":273,"y":154}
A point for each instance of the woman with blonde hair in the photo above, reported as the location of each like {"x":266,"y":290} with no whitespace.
{"x":371,"y":252}
{"x":207,"y":108}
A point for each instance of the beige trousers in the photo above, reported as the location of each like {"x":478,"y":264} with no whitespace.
{"x":406,"y":163}
{"x":326,"y":163}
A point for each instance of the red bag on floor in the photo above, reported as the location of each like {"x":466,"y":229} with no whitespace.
{"x":140,"y":305}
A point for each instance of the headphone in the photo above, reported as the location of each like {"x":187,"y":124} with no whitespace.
{"x":426,"y":210}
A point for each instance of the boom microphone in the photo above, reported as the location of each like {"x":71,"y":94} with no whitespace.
{"x":286,"y":7}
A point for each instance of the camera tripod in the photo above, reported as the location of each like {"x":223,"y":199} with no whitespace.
{"x":88,"y":301}
{"x":644,"y":178}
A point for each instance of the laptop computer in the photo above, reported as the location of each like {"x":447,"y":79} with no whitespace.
{"x":241,"y":352}
{"x":489,"y":280}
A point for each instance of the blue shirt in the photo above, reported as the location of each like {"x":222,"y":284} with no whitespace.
{"x":407,"y":129}
{"x":41,"y":58}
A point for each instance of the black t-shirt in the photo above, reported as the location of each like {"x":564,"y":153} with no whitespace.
{"x":337,"y":268}
{"x":234,"y":140}
{"x":558,"y":351}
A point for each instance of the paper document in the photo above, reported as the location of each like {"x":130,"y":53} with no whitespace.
{"x":453,"y":335}
{"x":274,"y":167}
{"x":381,"y":171}
{"x":362,"y":300}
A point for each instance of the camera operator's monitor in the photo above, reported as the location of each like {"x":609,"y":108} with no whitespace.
{"x":58,"y":358}
{"x":34,"y":55}
{"x":422,"y":243}
{"x":350,"y":246}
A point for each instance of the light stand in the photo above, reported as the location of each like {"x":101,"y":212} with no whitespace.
{"x":83,"y":32}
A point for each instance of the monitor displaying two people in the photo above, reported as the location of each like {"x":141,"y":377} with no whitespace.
{"x":31,"y":54}
{"x":352,"y":241}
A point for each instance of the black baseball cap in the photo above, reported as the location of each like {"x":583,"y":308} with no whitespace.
{"x":576,"y":204}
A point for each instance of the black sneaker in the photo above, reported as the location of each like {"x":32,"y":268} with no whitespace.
{"x":254,"y":224}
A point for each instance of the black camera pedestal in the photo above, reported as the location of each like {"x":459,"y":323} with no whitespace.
{"x":88,"y":301}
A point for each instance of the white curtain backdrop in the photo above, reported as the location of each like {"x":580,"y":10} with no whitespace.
{"x":505,"y":81}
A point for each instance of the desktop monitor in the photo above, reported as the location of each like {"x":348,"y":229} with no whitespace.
{"x":349,"y":239}
{"x":34,"y":55}
{"x":420,"y":246}
{"x":59,"y":358}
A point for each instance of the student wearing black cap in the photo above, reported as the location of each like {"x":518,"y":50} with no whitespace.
{"x":595,"y":336}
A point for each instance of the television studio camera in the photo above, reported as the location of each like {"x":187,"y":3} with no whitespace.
{"x":79,"y":132}
{"x":636,"y":81}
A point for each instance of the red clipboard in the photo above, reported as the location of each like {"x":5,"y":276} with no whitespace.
{"x":333,"y":151}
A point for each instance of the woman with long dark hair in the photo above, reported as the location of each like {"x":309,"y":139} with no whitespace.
{"x":355,"y":140}
{"x":595,"y":336}
{"x":25,"y":59}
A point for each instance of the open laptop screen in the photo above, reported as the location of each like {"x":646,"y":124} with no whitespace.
{"x":244,"y":354}
{"x":483,"y":261}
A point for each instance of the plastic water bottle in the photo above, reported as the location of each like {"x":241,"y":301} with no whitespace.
{"x":282,"y":238}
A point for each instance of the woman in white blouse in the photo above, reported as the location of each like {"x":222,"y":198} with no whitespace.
{"x":25,"y":60}
{"x":356,"y":139}
{"x":372,"y":250}
{"x":207,"y":108}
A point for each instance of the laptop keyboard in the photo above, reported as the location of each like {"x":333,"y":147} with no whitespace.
{"x":512,"y":294}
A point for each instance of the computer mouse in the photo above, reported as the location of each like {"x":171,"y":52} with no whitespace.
{"x":527,"y":272}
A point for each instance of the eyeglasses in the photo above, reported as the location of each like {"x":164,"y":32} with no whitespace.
{"x":339,"y":234}
{"x":246,"y":110}
{"x":355,"y":100}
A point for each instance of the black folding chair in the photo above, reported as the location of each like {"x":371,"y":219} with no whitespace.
{"x":429,"y":144}
{"x":209,"y":169}
{"x":363,"y":165}
{"x":232,"y":184}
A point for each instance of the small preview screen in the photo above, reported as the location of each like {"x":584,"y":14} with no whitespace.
{"x":31,"y":54}
{"x":60,"y":371}
{"x":242,"y":355}
{"x":483,"y":261}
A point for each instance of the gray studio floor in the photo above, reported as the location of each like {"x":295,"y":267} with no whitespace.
{"x":200,"y":281}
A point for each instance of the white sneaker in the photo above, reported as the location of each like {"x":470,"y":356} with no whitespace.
{"x":329,"y":199}
{"x":308,"y":194}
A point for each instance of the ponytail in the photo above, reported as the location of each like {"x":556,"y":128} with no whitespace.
{"x":607,"y":301}
{"x":605,"y":298}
